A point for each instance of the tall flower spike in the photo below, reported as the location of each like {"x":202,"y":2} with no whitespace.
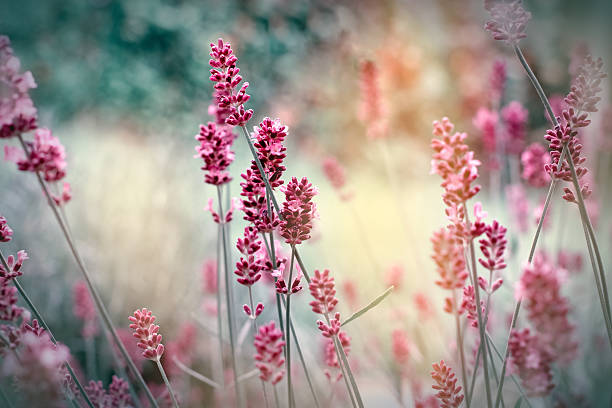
{"x":508,"y":20}
{"x":468,"y":305}
{"x":215,"y":149}
{"x":85,"y":310}
{"x":323,"y":290}
{"x":497,"y":81}
{"x":373,"y":110}
{"x":147,"y":333}
{"x":226,"y":77}
{"x":486,"y":122}
{"x":250,"y":266}
{"x":269,"y":357}
{"x":534,"y":159}
{"x":449,"y":259}
{"x":449,"y":393}
{"x":515,"y":117}
{"x":586,"y":85}
{"x":298,"y":211}
{"x":46,"y":154}
{"x":493,"y":247}
{"x":17,"y":111}
{"x":530,"y":362}
{"x":5,"y":231}
{"x":331,"y":358}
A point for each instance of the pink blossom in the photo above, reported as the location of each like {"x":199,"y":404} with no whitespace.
{"x":468,"y":305}
{"x":493,"y":247}
{"x":117,"y":396}
{"x":395,"y":276}
{"x":530,"y":362}
{"x":323,"y":290}
{"x":547,"y":309}
{"x":228,"y":216}
{"x":46,"y":155}
{"x":269,"y":137}
{"x":64,"y":197}
{"x":334,"y":373}
{"x":423,"y":305}
{"x":569,"y":261}
{"x":449,"y":393}
{"x":182,"y":348}
{"x":349,"y":288}
{"x":373,"y":111}
{"x":586,"y":85}
{"x":209,"y":277}
{"x":534,"y":159}
{"x":216,"y":150}
{"x":332,"y":329}
{"x":508,"y":20}
{"x":269,"y":358}
{"x":84,"y":309}
{"x":449,"y":259}
{"x":515,"y":119}
{"x":17,"y":111}
{"x":401,"y":347}
{"x":5,"y":231}
{"x":298,"y":211}
{"x":147,"y":333}
{"x":497,"y":81}
{"x":14,"y":265}
{"x":486,"y":122}
{"x":249,"y":267}
{"x":336,"y":175}
{"x":519,"y":206}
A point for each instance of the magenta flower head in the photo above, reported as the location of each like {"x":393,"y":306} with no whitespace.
{"x":486,"y":122}
{"x":84,"y":309}
{"x":530,"y":362}
{"x":17,"y":112}
{"x":468,"y":305}
{"x":515,"y":118}
{"x":46,"y":154}
{"x":117,"y":395}
{"x":269,"y":358}
{"x":226,"y":77}
{"x":497,"y":81}
{"x":586,"y":86}
{"x":508,"y":20}
{"x":298,"y":211}
{"x":269,"y":137}
{"x":449,"y":259}
{"x":449,"y":393}
{"x":147,"y":333}
{"x":215,"y":149}
{"x":534,"y":160}
{"x":323,"y":290}
{"x":250,"y":266}
{"x":493,"y":247}
{"x":5,"y":231}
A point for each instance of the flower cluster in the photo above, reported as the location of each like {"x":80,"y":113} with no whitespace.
{"x":530,"y":362}
{"x":486,"y":121}
{"x":519,"y":206}
{"x":450,"y":263}
{"x":515,"y":119}
{"x":45,"y":154}
{"x":373,"y":110}
{"x":182,"y":348}
{"x":298,"y":211}
{"x":117,"y":395}
{"x":497,"y":81}
{"x":449,"y":393}
{"x":14,"y":265}
{"x":336,"y":175}
{"x":508,"y":20}
{"x":5,"y":231}
{"x":216,"y":150}
{"x":401,"y":347}
{"x":547,"y":309}
{"x":468,"y":305}
{"x":331,"y":358}
{"x":249,"y":267}
{"x":84,"y":309}
{"x":493,"y":247}
{"x":17,"y":112}
{"x":147,"y":333}
{"x":226,"y":77}
{"x":534,"y":159}
{"x":269,"y":353}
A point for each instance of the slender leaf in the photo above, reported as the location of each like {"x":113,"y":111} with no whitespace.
{"x":371,"y":305}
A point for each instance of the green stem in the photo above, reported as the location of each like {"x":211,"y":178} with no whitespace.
{"x":92,"y":289}
{"x":219,"y":306}
{"x":288,"y":334}
{"x":168,"y":386}
{"x":461,"y":352}
{"x":230,"y":314}
{"x":44,"y":325}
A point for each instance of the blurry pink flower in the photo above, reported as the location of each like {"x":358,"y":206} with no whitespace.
{"x":515,"y":119}
{"x":586,"y":85}
{"x":323,"y":290}
{"x":519,"y":206}
{"x":17,"y":112}
{"x":215,"y":149}
{"x":84,"y":309}
{"x":335,"y":173}
{"x":147,"y":333}
{"x":209,"y":277}
{"x":534,"y":159}
{"x":423,"y":305}
{"x":182,"y":348}
{"x":547,"y":309}
{"x":269,"y":358}
{"x":537,"y":214}
{"x":46,"y":155}
{"x":449,"y":393}
{"x":486,"y":122}
{"x":497,"y":81}
{"x":117,"y":396}
{"x":5,"y":231}
{"x":331,"y":358}
{"x":402,"y":348}
{"x":64,"y":197}
{"x":9,"y":311}
{"x":508,"y":20}
{"x":298,"y":211}
{"x":449,"y":259}
{"x":468,"y":305}
{"x":570,"y":261}
{"x":373,"y":110}
{"x":38,"y":369}
{"x":530,"y":362}
{"x":349,"y":287}
{"x":226,"y":76}
{"x":395,"y":276}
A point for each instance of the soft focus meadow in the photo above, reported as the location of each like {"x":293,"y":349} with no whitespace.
{"x":305,"y":203}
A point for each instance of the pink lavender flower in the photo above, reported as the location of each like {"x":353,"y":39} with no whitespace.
{"x":38,"y":370}
{"x":423,"y":305}
{"x":269,"y":358}
{"x":298,"y":211}
{"x":268,"y":140}
{"x":486,"y":122}
{"x":323,"y":290}
{"x":515,"y":119}
{"x":9,"y":311}
{"x":216,"y":150}
{"x":518,"y":205}
{"x":449,"y":393}
{"x":493,"y":247}
{"x":395,"y":276}
{"x":254,"y":204}
{"x":331,"y":358}
{"x":468,"y":305}
{"x":45,"y":154}
{"x":14,"y":265}
{"x":336,"y":175}
{"x":5,"y":231}
{"x":226,"y":77}
{"x":508,"y":20}
{"x":85,"y":310}
{"x":586,"y":85}
{"x":209,"y":277}
{"x":333,"y":328}
{"x":249,"y":267}
{"x":530,"y":362}
{"x":534,"y":159}
{"x":497,"y":81}
{"x":17,"y":112}
{"x":449,"y":259}
{"x":182,"y":348}
{"x":401,"y":347}
{"x":373,"y":110}
{"x":547,"y":309}
{"x":117,"y":396}
{"x":147,"y":333}
{"x":569,"y":261}
{"x":229,"y":214}
{"x":64,"y":197}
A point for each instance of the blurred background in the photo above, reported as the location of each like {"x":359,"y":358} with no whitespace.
{"x":124,"y":85}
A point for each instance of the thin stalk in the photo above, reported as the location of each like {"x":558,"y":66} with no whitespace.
{"x":478,"y":311}
{"x":168,"y":386}
{"x":349,"y":372}
{"x":461,"y":352}
{"x":517,"y":308}
{"x":230,"y":314}
{"x":5,"y":400}
{"x":219,"y":305}
{"x":337,"y":346}
{"x":92,"y":289}
{"x":90,"y":351}
{"x":44,"y":325}
{"x":288,"y":334}
{"x":276,"y":397}
{"x":255,"y":331}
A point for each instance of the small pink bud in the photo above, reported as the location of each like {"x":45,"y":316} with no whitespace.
{"x":496,"y":285}
{"x":247,"y":310}
{"x":483,"y":283}
{"x":258,"y":309}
